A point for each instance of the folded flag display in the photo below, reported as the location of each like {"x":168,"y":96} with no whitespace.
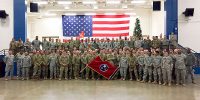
{"x":104,"y":68}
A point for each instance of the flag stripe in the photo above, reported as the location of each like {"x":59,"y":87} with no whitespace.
{"x":111,"y":22}
{"x":110,"y":25}
{"x":110,"y":35}
{"x":110,"y":28}
{"x":110,"y":16}
{"x":111,"y":32}
{"x":111,"y":19}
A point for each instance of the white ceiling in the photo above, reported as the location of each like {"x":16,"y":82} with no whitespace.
{"x":53,"y":7}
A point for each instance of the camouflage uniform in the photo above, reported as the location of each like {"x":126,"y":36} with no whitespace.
{"x":26,"y":64}
{"x":53,"y":60}
{"x":157,"y":68}
{"x":167,"y":66}
{"x":45,"y":63}
{"x":36,"y":44}
{"x":9,"y":60}
{"x":148,"y":62}
{"x":90,"y":58}
{"x":123,"y":65}
{"x":37,"y":65}
{"x":52,"y":45}
{"x":116,"y":45}
{"x":190,"y":62}
{"x":140,"y":61}
{"x":132,"y":67}
{"x":45,"y":45}
{"x":64,"y":61}
{"x":19,"y":58}
{"x":180,"y":68}
{"x":76,"y":60}
{"x":84,"y":62}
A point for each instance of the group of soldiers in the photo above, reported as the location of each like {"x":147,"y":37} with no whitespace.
{"x":154,"y":61}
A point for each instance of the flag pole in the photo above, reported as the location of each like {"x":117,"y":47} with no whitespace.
{"x":84,"y":68}
{"x":113,"y":75}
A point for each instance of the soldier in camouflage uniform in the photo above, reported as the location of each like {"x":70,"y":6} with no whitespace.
{"x":131,"y":42}
{"x":110,"y":56}
{"x":157,"y":59}
{"x":165,"y":43}
{"x":36,"y":44}
{"x":12,"y":46}
{"x":116,"y":44}
{"x":64,"y":61}
{"x":9,"y":60}
{"x":180,"y":67}
{"x":76,"y":61}
{"x":132,"y":66}
{"x":156,"y":43}
{"x":26,"y":64}
{"x":148,"y":62}
{"x":84,"y":62}
{"x":90,"y":58}
{"x":167,"y":67}
{"x":52,"y":44}
{"x":19,"y":57}
{"x":190,"y":62}
{"x":45,"y":45}
{"x":53,"y":60}
{"x":45,"y":63}
{"x":123,"y":65}
{"x":19,"y":45}
{"x":27,"y":45}
{"x":37,"y":65}
{"x":140,"y":62}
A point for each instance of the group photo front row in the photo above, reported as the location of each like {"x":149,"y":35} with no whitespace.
{"x":157,"y":61}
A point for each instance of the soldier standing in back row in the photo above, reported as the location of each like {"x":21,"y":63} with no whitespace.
{"x":12,"y":46}
{"x":45,"y":45}
{"x":36,"y":44}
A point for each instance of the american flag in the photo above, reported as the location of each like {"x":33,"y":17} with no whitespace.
{"x":96,"y":26}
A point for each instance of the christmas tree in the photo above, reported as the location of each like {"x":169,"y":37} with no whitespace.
{"x":137,"y":29}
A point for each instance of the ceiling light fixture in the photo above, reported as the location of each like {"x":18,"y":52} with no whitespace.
{"x":89,"y":2}
{"x":124,"y":6}
{"x":64,"y":2}
{"x":113,"y":2}
{"x":41,"y":2}
{"x":95,"y":7}
{"x":66,"y":7}
{"x":138,"y":1}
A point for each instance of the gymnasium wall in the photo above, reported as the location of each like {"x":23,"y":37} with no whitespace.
{"x":189,"y":28}
{"x":52,"y":26}
{"x":6,"y":28}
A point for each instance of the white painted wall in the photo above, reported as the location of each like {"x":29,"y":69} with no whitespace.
{"x":6,"y":29}
{"x":189,"y":35}
{"x":158,"y":21}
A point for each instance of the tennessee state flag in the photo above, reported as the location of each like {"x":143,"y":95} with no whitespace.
{"x":104,"y":68}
